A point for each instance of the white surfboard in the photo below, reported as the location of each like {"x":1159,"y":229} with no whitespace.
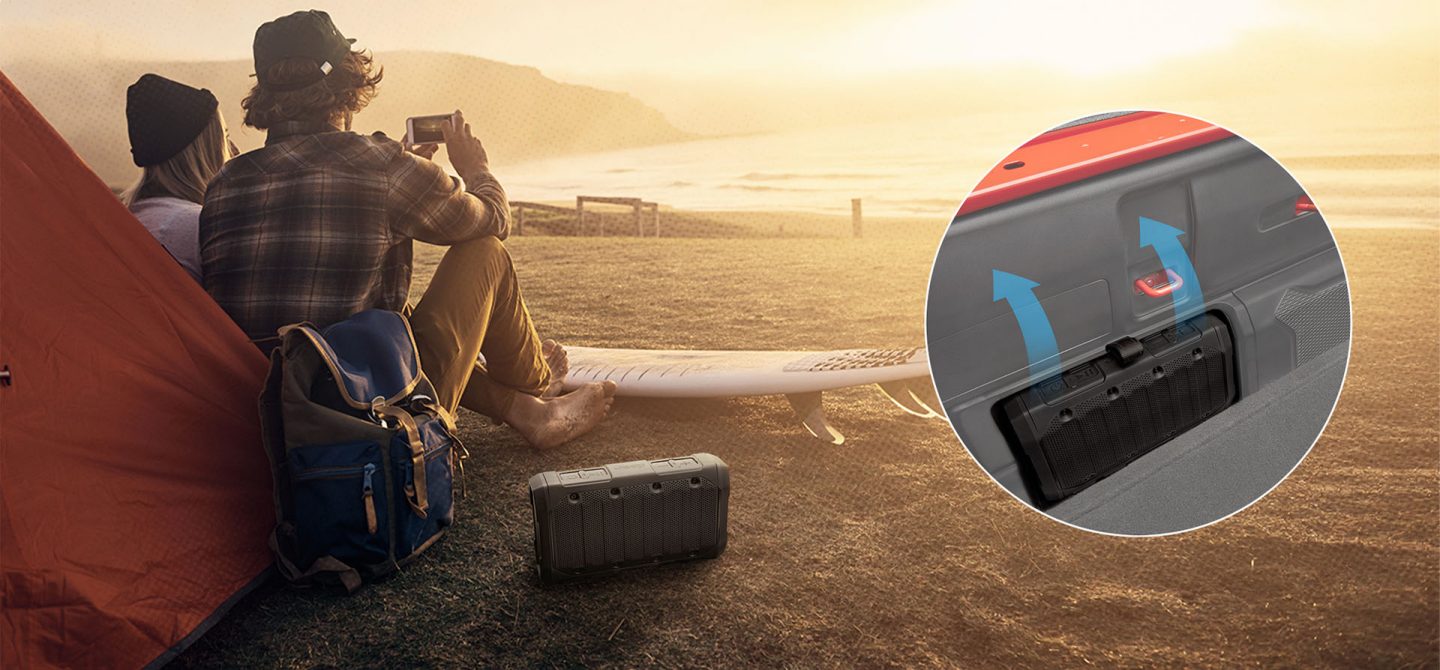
{"x":801,"y":376}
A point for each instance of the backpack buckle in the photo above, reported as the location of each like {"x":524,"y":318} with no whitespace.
{"x":375,"y":404}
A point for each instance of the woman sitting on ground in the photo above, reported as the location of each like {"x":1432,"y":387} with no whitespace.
{"x":178,"y":139}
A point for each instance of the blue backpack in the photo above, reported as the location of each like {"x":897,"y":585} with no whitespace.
{"x":362,"y":455}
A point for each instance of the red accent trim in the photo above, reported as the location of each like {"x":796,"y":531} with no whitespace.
{"x":1172,"y":282}
{"x":1068,"y":155}
{"x":1304,"y":205}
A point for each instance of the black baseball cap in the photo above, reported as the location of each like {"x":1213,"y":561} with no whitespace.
{"x":309,"y":35}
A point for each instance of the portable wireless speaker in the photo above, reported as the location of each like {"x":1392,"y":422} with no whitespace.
{"x":601,"y":520}
{"x":1097,"y":417}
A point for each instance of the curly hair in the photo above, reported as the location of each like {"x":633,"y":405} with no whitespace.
{"x":348,"y":88}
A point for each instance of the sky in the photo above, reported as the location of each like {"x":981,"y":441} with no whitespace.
{"x":719,"y":66}
{"x":1312,"y":77}
{"x":726,"y":39}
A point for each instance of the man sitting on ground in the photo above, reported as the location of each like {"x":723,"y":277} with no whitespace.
{"x":319,"y":224}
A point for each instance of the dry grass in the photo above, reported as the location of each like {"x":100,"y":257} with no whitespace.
{"x":895,"y":549}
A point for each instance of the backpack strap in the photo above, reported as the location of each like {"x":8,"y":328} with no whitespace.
{"x":349,"y":577}
{"x":428,"y":404}
{"x":458,"y":453}
{"x":415,"y":492}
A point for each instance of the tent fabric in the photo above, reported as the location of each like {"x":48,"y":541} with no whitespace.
{"x":135,"y":497}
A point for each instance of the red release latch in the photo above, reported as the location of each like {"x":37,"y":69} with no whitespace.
{"x":1304,"y":205}
{"x":1157,"y":284}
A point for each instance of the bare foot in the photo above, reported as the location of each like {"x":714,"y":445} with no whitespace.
{"x":559,"y":363}
{"x":551,"y":422}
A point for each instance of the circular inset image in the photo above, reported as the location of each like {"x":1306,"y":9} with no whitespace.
{"x":1138,"y":323}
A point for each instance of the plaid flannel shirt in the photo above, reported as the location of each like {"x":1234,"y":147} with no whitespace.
{"x":318,"y":225}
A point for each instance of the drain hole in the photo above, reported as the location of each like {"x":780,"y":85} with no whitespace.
{"x":614,"y":493}
{"x":656,"y":486}
{"x":1198,"y":353}
{"x":1158,"y":372}
{"x":574,"y":497}
{"x":1014,"y":165}
{"x":1113,"y":393}
{"x":1066,"y":414}
{"x":694,"y":481}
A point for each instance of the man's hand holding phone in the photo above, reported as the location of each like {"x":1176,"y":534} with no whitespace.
{"x":466,"y":152}
{"x":467,"y":155}
{"x":423,"y":134}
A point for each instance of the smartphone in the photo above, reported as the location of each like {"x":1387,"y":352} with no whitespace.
{"x":426,"y":129}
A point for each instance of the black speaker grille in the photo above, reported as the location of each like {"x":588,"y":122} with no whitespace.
{"x":1113,"y":425}
{"x":1078,"y":427}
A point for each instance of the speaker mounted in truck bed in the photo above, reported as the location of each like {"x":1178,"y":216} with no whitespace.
{"x":1077,"y":427}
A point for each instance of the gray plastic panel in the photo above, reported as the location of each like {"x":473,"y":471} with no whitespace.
{"x":1080,"y":243}
{"x":1305,"y":293}
{"x":1072,"y":313}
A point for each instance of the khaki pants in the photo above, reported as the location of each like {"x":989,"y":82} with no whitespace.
{"x":473,"y":306}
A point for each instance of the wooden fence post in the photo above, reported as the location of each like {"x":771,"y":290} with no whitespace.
{"x":855,"y":215}
{"x":640,"y":210}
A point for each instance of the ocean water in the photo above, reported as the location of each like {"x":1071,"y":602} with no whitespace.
{"x":1364,"y":172}
{"x":913,"y":169}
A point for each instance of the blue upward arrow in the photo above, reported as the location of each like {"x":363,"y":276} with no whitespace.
{"x":1040,"y":344}
{"x":1166,"y":242}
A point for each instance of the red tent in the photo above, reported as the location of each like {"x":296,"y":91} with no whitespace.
{"x":134,"y":494}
